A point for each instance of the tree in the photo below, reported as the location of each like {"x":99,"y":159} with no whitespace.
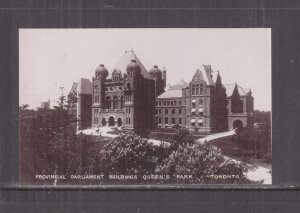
{"x":130,"y":154}
{"x":205,"y":163}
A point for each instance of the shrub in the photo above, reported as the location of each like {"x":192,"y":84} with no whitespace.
{"x":130,"y":154}
{"x":182,"y":136}
{"x":202,"y":160}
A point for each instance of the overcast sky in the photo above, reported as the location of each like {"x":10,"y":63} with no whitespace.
{"x":50,"y":58}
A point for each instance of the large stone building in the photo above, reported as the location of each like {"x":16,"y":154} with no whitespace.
{"x":124,"y":97}
{"x":205,"y":104}
{"x":131,"y":97}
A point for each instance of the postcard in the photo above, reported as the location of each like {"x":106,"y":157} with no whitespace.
{"x":145,"y":106}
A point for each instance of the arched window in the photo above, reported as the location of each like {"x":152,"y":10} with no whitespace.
{"x":115,"y":102}
{"x":166,"y":111}
{"x":108,"y":102}
{"x":173,"y":111}
{"x":121,"y":102}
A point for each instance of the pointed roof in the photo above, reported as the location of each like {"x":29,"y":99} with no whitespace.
{"x":230,"y":88}
{"x":85,"y":86}
{"x":126,"y":59}
{"x":174,"y":91}
{"x":205,"y":75}
{"x":74,"y":87}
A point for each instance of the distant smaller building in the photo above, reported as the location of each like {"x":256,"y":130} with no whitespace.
{"x":45,"y":105}
{"x":80,"y":104}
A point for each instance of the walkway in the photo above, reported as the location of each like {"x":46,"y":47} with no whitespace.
{"x":257,"y":174}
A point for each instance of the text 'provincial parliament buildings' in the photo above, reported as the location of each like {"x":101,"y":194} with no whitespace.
{"x":132,"y":98}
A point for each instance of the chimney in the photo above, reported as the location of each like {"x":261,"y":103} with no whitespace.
{"x":164,"y":77}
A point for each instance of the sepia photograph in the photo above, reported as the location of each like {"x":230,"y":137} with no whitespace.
{"x":145,"y":106}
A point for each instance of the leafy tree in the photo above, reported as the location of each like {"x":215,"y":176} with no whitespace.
{"x":182,"y":136}
{"x":70,"y":153}
{"x":204,"y":162}
{"x":130,"y":154}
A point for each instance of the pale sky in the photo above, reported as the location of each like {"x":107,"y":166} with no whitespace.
{"x":50,"y":58}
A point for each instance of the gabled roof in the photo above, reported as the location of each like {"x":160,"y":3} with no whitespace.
{"x":205,"y":75}
{"x":85,"y":86}
{"x":174,"y":91}
{"x":126,"y":59}
{"x":230,"y":88}
{"x":74,"y":88}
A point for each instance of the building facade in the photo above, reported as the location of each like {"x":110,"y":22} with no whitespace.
{"x":205,"y":104}
{"x":131,"y":97}
{"x":127,"y":98}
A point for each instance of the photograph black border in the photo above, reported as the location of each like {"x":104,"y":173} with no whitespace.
{"x":283,"y":21}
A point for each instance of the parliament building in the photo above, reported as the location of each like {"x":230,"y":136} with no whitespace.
{"x":132,"y":98}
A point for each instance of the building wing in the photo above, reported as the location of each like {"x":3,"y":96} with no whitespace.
{"x":85,"y":86}
{"x":174,"y":91}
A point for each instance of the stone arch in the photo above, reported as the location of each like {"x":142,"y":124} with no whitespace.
{"x":119,"y":121}
{"x":103,"y":121}
{"x":111,"y":121}
{"x":237,"y":124}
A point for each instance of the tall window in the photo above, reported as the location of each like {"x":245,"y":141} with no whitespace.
{"x":121,"y":102}
{"x":173,"y":111}
{"x":173,"y":120}
{"x":128,"y":86}
{"x":166,"y":121}
{"x":166,"y":111}
{"x":159,"y":120}
{"x":115,"y":102}
{"x":108,"y":102}
{"x":197,"y":89}
{"x":201,"y":89}
{"x":97,"y":98}
{"x":179,"y":111}
{"x":193,"y":89}
{"x":180,"y":120}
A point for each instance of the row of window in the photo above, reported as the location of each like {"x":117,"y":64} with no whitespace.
{"x":173,"y":111}
{"x":174,"y":103}
{"x":168,"y":103}
{"x":169,"y":121}
{"x":173,"y":120}
{"x":197,"y":89}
